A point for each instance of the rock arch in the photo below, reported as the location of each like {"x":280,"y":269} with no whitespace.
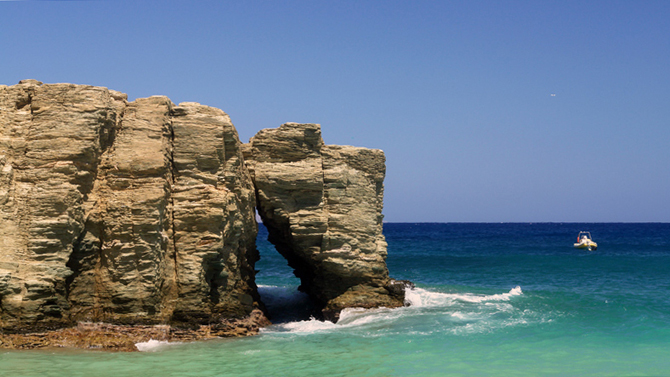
{"x":322,"y":206}
{"x":142,"y":212}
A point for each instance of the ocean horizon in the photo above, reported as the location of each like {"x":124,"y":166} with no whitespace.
{"x":513,"y":299}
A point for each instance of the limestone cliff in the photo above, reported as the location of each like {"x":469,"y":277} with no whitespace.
{"x":139,"y":212}
{"x":142,"y":213}
{"x":322,"y":205}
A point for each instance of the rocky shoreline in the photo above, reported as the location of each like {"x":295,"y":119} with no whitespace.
{"x":124,"y":338}
{"x":121,"y":221}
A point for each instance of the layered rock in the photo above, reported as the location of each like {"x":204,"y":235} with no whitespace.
{"x":139,"y":212}
{"x":142,"y":213}
{"x":322,"y":206}
{"x":52,"y":138}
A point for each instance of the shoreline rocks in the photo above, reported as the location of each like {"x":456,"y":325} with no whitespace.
{"x":124,"y":338}
{"x":143,"y":214}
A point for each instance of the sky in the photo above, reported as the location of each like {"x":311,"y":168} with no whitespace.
{"x":487,"y":111}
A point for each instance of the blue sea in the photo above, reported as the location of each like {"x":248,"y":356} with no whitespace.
{"x":490,"y":300}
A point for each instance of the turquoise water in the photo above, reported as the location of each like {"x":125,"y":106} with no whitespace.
{"x":491,"y":299}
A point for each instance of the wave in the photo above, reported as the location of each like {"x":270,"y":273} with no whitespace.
{"x":458,"y":313}
{"x":423,"y":298}
{"x":154,"y":345}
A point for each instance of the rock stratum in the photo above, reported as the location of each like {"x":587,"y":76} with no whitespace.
{"x":142,"y":214}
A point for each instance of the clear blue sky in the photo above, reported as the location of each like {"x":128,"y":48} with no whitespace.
{"x":488,"y":111}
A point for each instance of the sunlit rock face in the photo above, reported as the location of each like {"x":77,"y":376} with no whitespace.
{"x":322,"y":205}
{"x":117,"y":211}
{"x":142,"y":212}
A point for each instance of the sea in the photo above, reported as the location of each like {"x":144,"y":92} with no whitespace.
{"x":508,"y":299}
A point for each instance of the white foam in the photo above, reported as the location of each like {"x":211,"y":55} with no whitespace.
{"x":153,"y":345}
{"x":487,"y":324}
{"x":459,"y":307}
{"x":423,"y":298}
{"x":308,"y":326}
{"x":487,"y":298}
{"x":460,"y":315}
{"x":349,"y":318}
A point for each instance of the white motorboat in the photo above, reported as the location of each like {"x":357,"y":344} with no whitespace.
{"x":584,"y":241}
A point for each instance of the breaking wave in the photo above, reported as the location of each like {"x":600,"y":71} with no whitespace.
{"x":154,"y":345}
{"x":428,"y":312}
{"x":423,"y":298}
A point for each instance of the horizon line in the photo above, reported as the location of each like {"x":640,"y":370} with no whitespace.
{"x":526,"y":222}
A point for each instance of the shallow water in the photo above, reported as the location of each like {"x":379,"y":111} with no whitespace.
{"x":491,"y":299}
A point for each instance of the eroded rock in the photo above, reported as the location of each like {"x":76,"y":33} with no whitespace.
{"x":128,"y":213}
{"x":141,"y":214}
{"x":322,"y":205}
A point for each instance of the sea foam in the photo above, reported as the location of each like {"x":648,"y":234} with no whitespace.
{"x":420,"y":300}
{"x":419,"y":297}
{"x":153,"y":345}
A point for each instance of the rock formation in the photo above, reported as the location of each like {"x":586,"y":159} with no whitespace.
{"x":142,"y":213}
{"x":322,"y":205}
{"x":129,"y":213}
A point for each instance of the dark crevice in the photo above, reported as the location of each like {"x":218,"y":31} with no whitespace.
{"x":22,"y":102}
{"x":106,"y":137}
{"x":212,"y":276}
{"x":87,"y":252}
{"x":279,"y":235}
{"x":172,"y":179}
{"x":283,"y":304}
{"x":107,"y":134}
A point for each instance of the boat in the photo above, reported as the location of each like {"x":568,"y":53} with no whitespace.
{"x":584,"y":241}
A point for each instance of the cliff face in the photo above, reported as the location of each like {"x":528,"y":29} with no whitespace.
{"x":322,"y":205}
{"x":141,"y":213}
{"x":138,"y":212}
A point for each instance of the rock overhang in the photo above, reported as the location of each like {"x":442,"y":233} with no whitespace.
{"x":322,"y":205}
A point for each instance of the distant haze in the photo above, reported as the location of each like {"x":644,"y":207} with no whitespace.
{"x":487,"y":111}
